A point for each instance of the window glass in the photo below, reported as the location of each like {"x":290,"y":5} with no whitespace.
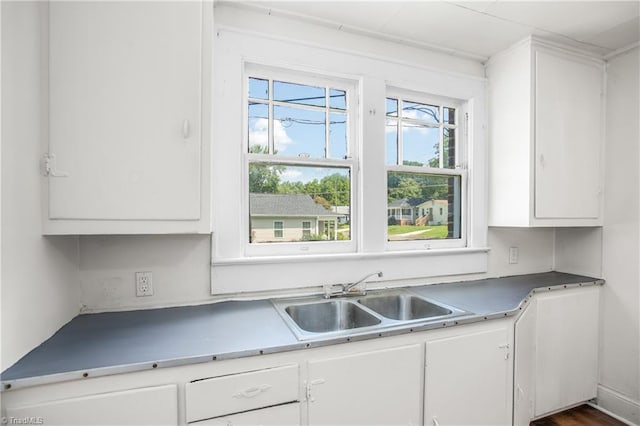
{"x":278,"y":228}
{"x":258,"y":128}
{"x":318,"y":198}
{"x":299,"y":132}
{"x":298,"y":94}
{"x":422,"y":112}
{"x":338,"y":135}
{"x":420,"y":145}
{"x":258,"y":88}
{"x":338,"y":99}
{"x":422,"y":206}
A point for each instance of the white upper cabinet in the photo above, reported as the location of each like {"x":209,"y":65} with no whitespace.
{"x":127,"y":151}
{"x":545,"y":137}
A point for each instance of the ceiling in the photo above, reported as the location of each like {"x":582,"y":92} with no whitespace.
{"x":475,"y":29}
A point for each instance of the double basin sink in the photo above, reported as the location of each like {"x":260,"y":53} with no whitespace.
{"x":316,"y":317}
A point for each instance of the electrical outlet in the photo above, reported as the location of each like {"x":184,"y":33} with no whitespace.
{"x":513,"y":255}
{"x":144,"y":284}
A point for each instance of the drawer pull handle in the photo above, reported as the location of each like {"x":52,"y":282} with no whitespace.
{"x":251,"y":392}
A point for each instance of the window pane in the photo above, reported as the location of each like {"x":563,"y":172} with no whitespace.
{"x":423,"y":112}
{"x":423,"y":207}
{"x":338,"y":135}
{"x":258,"y":128}
{"x":299,"y":132}
{"x":449,"y":148}
{"x":277,"y":229}
{"x":338,"y":99}
{"x":392,"y":107}
{"x":449,"y":116}
{"x":391,"y":133}
{"x":420,"y":145}
{"x":258,"y":88}
{"x":302,"y":198}
{"x":298,"y":93}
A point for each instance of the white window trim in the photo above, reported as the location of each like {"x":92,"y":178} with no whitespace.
{"x":252,"y":69}
{"x":234,"y":273}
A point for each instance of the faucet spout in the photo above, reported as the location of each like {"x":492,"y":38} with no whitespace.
{"x":347,"y":287}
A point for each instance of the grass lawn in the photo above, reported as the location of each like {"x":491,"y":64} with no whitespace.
{"x":421,"y":232}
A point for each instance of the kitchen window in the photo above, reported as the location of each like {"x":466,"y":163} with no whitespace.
{"x":425,"y":179}
{"x":266,"y":93}
{"x":300,"y":159}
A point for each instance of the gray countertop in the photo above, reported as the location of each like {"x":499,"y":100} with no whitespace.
{"x":118,"y":342}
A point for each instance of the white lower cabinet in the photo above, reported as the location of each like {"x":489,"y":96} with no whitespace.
{"x":379,"y":387}
{"x":556,"y":361}
{"x":280,"y":415}
{"x":468,"y":377}
{"x":145,"y":406}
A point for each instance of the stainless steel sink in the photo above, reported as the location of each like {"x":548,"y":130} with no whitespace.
{"x":404,"y":307}
{"x":390,"y":310}
{"x":334,"y":315}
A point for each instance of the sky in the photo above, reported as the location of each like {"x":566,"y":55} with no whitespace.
{"x":300,"y":131}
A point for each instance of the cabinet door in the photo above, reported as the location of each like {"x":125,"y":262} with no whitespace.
{"x":145,"y":406}
{"x":524,"y":366}
{"x":125,"y":110}
{"x":282,"y":415}
{"x":568,"y":137}
{"x":468,"y":379}
{"x":566,"y":348}
{"x":381,"y":387}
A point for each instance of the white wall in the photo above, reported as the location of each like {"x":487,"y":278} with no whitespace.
{"x":40,"y":289}
{"x":620,"y":342}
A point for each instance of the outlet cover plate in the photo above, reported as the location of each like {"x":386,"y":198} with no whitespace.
{"x":144,"y":284}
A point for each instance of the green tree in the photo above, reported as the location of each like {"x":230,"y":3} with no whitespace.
{"x":264,"y":178}
{"x":407,"y":187}
{"x":335,"y":188}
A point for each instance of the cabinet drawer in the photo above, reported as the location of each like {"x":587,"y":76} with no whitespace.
{"x":241,"y":392}
{"x":282,"y":415}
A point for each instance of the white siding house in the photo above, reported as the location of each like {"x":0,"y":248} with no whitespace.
{"x":435,"y":211}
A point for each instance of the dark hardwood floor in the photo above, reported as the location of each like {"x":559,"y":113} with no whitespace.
{"x":584,"y":415}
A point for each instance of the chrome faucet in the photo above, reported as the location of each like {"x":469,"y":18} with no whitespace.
{"x":347,"y":289}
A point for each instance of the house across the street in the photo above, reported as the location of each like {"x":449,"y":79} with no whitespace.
{"x":416,"y":211}
{"x":290,"y":217}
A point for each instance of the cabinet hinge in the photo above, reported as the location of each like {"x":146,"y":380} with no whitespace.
{"x":49,"y":166}
{"x":308,"y":388}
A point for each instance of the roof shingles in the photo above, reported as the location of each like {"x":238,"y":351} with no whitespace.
{"x":286,"y":205}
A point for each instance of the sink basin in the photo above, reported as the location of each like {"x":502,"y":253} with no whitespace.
{"x":330,"y":316}
{"x":404,"y":307}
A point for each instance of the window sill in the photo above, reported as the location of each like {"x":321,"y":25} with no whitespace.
{"x":268,"y":260}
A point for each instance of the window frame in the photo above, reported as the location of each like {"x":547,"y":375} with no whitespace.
{"x":460,"y":169}
{"x":276,"y":229}
{"x":350,"y":162}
